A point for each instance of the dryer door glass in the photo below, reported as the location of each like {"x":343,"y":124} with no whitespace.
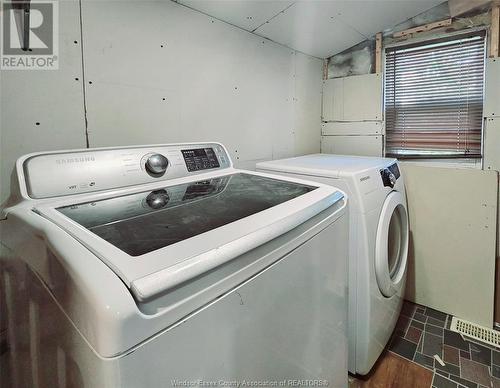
{"x":143,"y":222}
{"x":391,"y":248}
{"x":395,"y":241}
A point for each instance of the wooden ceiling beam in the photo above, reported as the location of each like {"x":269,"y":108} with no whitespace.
{"x":425,"y":27}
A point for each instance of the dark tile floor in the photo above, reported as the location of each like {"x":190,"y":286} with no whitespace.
{"x":421,"y":333}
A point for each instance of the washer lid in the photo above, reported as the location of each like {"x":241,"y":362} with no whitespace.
{"x":158,"y":239}
{"x":325,"y":165}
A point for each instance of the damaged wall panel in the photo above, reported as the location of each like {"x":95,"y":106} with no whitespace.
{"x":360,"y":59}
{"x":357,"y":60}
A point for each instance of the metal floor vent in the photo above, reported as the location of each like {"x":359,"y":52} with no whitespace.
{"x":472,"y":330}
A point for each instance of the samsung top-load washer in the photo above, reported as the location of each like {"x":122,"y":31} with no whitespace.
{"x":156,"y":266}
{"x":378,"y":243}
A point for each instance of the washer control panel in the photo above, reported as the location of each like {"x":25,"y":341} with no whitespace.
{"x":200,"y":159}
{"x":66,"y":173}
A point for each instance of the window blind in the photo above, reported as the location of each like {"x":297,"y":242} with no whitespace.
{"x":434,"y":98}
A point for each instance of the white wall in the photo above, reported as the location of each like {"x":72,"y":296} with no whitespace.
{"x":491,"y":140}
{"x":452,"y":233}
{"x":54,"y":99}
{"x":352,"y":115}
{"x":209,"y":81}
{"x":219,"y":83}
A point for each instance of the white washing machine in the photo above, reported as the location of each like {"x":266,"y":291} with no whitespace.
{"x":163,"y":265}
{"x":378,"y":243}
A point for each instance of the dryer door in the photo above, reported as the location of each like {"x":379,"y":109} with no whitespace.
{"x":391,"y":249}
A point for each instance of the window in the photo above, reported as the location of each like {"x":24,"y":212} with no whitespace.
{"x":434,"y":98}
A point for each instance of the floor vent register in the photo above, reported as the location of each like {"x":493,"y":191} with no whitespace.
{"x":474,"y":331}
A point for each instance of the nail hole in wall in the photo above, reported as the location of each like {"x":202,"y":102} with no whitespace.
{"x":37,"y":123}
{"x":75,"y":42}
{"x":90,"y":82}
{"x":76,"y":79}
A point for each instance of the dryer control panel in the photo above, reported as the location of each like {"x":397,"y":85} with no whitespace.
{"x":65,"y":173}
{"x":390,"y":175}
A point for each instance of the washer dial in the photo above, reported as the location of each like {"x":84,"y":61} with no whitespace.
{"x":156,"y":165}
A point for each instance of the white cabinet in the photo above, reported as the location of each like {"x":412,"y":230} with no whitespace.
{"x":371,"y":145}
{"x":352,"y":116}
{"x":356,"y":98}
{"x":339,"y":128}
{"x":333,"y":99}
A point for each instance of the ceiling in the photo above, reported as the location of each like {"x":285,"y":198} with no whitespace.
{"x":320,"y":28}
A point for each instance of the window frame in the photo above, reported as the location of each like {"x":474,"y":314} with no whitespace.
{"x":460,"y":161}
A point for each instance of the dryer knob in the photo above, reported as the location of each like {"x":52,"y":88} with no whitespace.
{"x":156,"y":165}
{"x":388,"y":177}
